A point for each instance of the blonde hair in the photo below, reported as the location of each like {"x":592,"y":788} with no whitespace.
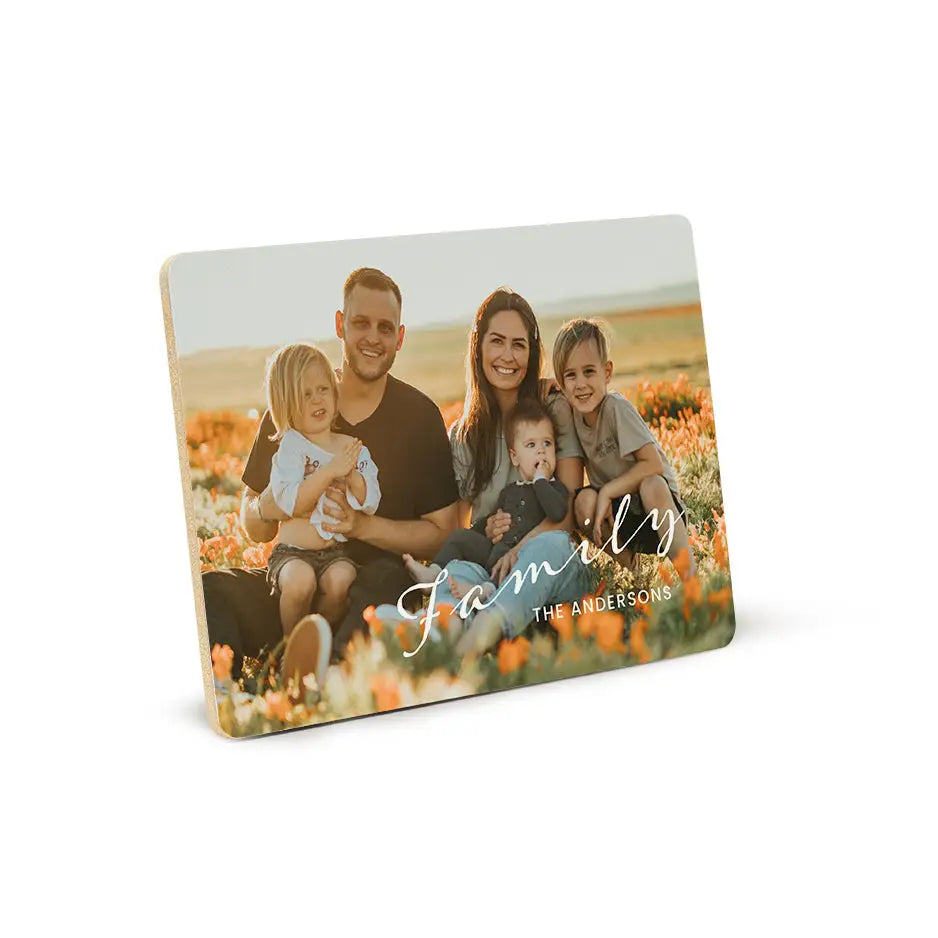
{"x":284,"y":383}
{"x":574,"y":333}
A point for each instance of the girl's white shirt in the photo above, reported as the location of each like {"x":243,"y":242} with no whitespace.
{"x":296,"y":459}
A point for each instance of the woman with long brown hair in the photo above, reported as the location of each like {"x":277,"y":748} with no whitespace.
{"x":503,"y":365}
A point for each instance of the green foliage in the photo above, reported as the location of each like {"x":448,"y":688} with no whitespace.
{"x":699,"y":482}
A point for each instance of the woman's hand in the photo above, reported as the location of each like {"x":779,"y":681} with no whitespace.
{"x":496,"y":525}
{"x":505,"y":565}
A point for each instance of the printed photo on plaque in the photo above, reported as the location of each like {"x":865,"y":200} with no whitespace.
{"x":426,"y":467}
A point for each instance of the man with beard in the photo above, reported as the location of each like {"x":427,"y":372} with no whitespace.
{"x":404,"y":431}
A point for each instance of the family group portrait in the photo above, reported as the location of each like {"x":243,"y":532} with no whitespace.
{"x":427,"y":467}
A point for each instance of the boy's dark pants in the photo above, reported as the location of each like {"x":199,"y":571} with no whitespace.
{"x":241,"y":613}
{"x":470,"y":545}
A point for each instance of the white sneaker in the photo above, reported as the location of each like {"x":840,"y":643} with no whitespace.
{"x":307,"y":652}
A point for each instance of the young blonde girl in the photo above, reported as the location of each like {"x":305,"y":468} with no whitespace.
{"x":309,"y":561}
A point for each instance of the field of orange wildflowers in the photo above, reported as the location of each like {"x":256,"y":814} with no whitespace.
{"x":375,"y":676}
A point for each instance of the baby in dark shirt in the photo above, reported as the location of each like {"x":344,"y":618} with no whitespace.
{"x":530,"y":435}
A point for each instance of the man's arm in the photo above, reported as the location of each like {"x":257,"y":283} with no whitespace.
{"x":422,"y":537}
{"x":258,"y":524}
{"x":263,"y":508}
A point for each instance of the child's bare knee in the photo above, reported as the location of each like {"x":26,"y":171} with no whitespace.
{"x":654,"y":489}
{"x":297,"y":580}
{"x":337,"y":579}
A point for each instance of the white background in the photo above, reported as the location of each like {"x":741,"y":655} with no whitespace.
{"x":784,"y":785}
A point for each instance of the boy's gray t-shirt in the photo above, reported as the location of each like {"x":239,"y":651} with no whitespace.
{"x":567,"y":444}
{"x":610,"y":445}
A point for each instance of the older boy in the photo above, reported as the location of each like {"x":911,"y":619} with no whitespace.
{"x":623,"y":459}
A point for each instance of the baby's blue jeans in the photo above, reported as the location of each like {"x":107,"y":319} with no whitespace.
{"x":551,"y":547}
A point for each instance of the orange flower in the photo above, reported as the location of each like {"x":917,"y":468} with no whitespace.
{"x":375,"y":625}
{"x":210,"y":547}
{"x":278,"y":705}
{"x":586,"y":624}
{"x":513,"y":654}
{"x":682,"y":563}
{"x":445,"y":610}
{"x":721,"y":597}
{"x":386,"y":692}
{"x":609,"y":631}
{"x":524,"y":648}
{"x":562,"y":621}
{"x":720,"y":554}
{"x":695,"y":539}
{"x":400,"y":630}
{"x":637,"y":644}
{"x":451,"y":412}
{"x":692,"y":590}
{"x":665,"y":573}
{"x":222,"y":657}
{"x":254,"y":557}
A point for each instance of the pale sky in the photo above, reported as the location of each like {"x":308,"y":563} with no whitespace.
{"x":273,"y":295}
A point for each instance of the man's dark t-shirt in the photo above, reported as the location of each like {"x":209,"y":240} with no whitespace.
{"x":408,"y":443}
